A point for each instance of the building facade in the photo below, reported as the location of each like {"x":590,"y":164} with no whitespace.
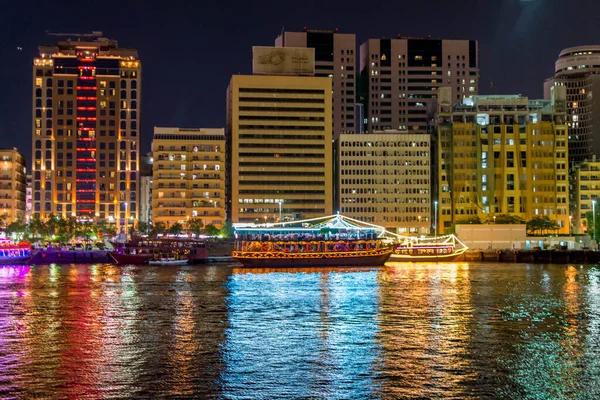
{"x":578,"y":70}
{"x":399,"y":79}
{"x":13,"y":185}
{"x":385,"y":180}
{"x":188,"y":175}
{"x":147,"y":162}
{"x":585,"y":184}
{"x":86,"y":130}
{"x":279,"y":147}
{"x":334,"y":58}
{"x":502,"y":155}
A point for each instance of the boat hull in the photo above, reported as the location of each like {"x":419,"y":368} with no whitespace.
{"x":129,"y":258}
{"x":14,"y":260}
{"x":425,"y":258}
{"x":168,"y":262}
{"x":286,"y":260}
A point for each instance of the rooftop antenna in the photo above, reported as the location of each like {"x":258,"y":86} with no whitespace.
{"x":94,"y":34}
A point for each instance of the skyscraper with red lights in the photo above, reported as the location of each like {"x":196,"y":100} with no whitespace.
{"x":86,"y":130}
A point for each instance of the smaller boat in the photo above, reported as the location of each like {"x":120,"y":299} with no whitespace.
{"x":168,"y":261}
{"x":14,"y":253}
{"x":437,"y":249}
{"x":142,"y":250}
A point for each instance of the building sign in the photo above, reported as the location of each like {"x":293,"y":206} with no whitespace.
{"x":283,"y":61}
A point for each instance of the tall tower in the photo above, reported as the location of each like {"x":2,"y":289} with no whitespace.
{"x":86,"y":130}
{"x":334,"y":58}
{"x":578,"y":69}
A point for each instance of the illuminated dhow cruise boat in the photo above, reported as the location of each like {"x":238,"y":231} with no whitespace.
{"x":11,"y":253}
{"x":436,"y":249}
{"x":319,"y":242}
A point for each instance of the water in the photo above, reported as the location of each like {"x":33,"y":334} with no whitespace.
{"x":402,"y":331}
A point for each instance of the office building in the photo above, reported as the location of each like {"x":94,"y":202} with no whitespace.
{"x":13,"y":186}
{"x":188,"y":177}
{"x":585,"y":184}
{"x":399,"y":79}
{"x":578,"y":70}
{"x":334,"y":58}
{"x":146,"y":188}
{"x":279,"y":146}
{"x":385,"y":180}
{"x":502,"y":155}
{"x":86,"y":130}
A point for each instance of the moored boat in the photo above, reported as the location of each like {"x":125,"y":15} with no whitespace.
{"x":437,"y":249}
{"x":329,"y":241}
{"x":11,"y":253}
{"x":142,"y":250}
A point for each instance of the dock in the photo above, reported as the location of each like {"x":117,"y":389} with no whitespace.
{"x":533,"y":256}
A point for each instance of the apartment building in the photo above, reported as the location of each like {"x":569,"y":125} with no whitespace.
{"x":585,"y":184}
{"x":13,"y":185}
{"x":399,"y":79}
{"x":502,"y":155}
{"x":188,"y":176}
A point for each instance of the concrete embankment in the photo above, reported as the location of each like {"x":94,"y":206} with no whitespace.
{"x":533,"y":256}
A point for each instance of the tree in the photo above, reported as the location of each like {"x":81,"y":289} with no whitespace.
{"x":195,"y":225}
{"x":541,"y":225}
{"x":19,"y":228}
{"x":212,"y":230}
{"x":468,"y":220}
{"x":143,"y":227}
{"x":37,"y":227}
{"x":159,"y":228}
{"x":591,"y":229}
{"x":175,"y":229}
{"x":227,"y":229}
{"x":504,"y":219}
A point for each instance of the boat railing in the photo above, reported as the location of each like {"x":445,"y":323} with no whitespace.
{"x":307,"y":246}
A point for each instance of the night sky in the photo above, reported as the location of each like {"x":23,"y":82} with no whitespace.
{"x":189,"y":50}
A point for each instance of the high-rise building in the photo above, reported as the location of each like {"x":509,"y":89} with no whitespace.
{"x":146,"y":189}
{"x":578,"y":69}
{"x":28,"y":198}
{"x":13,"y":185}
{"x":279,"y":147}
{"x":585,"y":183}
{"x":502,"y":155}
{"x":385,"y":180}
{"x":399,"y":79}
{"x":86,"y":129}
{"x":334,"y":58}
{"x":188,"y":175}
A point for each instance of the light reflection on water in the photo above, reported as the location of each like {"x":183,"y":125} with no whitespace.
{"x":400,"y":331}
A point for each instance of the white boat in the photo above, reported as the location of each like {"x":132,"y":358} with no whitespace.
{"x":436,"y":249}
{"x":167,"y":261}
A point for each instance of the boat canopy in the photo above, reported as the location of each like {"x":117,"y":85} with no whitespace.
{"x":332,"y":224}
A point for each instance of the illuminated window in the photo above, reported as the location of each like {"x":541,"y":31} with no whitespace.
{"x":38,"y":82}
{"x":418,"y":58}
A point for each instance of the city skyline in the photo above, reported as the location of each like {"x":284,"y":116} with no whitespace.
{"x":510,"y":35}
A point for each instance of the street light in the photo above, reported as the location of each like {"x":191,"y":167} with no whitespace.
{"x":419,"y":227}
{"x":125,"y":219}
{"x":494,"y":219}
{"x":279,"y":210}
{"x":594,"y":217}
{"x":570,"y":223}
{"x":435,"y":203}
